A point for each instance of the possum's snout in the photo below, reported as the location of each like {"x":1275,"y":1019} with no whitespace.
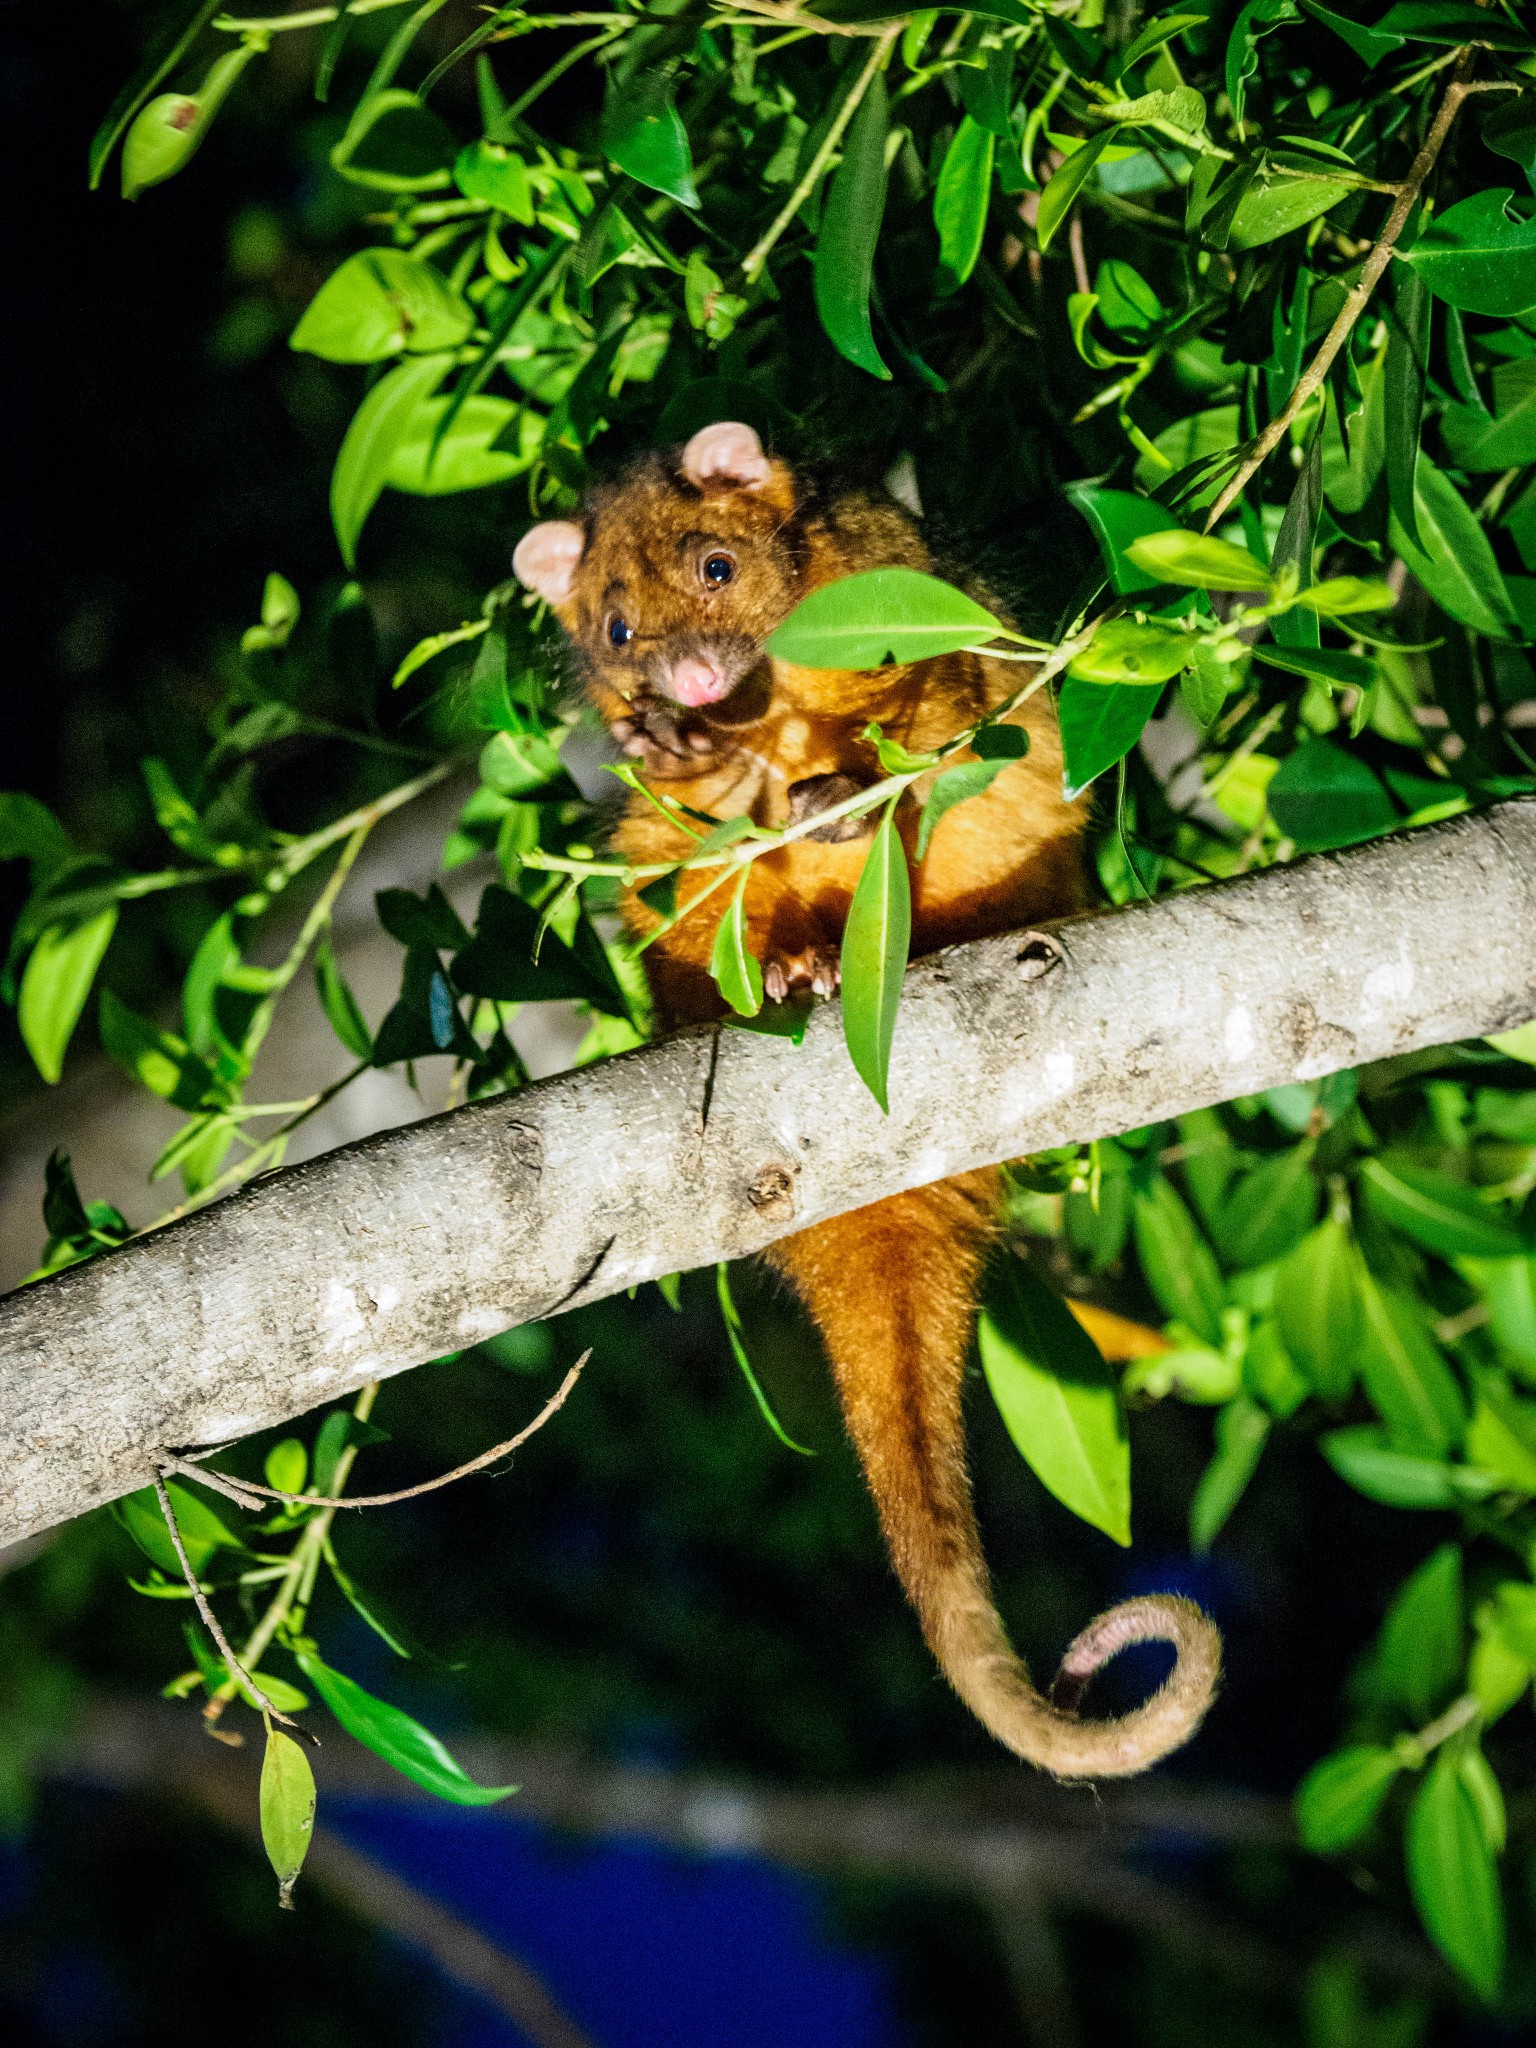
{"x":695,"y":669}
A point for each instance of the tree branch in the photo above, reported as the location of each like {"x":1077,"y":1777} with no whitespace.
{"x":712,"y":1144}
{"x":1355,"y":304}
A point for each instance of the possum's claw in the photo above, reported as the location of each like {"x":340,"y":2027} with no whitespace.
{"x":816,"y":968}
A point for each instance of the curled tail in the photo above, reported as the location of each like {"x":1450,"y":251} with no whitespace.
{"x":893,"y":1289}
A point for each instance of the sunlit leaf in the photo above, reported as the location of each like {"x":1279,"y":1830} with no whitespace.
{"x":287,"y":1809}
{"x":850,"y":228}
{"x":1340,"y":1797}
{"x":874,"y":957}
{"x":881,"y":615}
{"x":1452,"y":1876}
{"x":392,"y":1734}
{"x":55,"y":985}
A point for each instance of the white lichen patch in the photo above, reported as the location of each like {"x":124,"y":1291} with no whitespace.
{"x":1237,"y":1034}
{"x":342,"y":1321}
{"x":1060,"y":1070}
{"x":384,"y":1298}
{"x":1386,"y":988}
{"x":475,"y":1323}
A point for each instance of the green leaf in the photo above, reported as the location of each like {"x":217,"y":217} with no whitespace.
{"x":1127,"y":302}
{"x":286,"y":1465}
{"x":1320,"y":664}
{"x":517,"y":763}
{"x":1125,"y":651}
{"x":168,"y":132}
{"x":1317,"y":1309}
{"x":1198,"y":439}
{"x":1267,"y":1210}
{"x":160,"y":1061}
{"x":287,"y":1809}
{"x":1368,"y":44}
{"x":1242,"y":1430}
{"x":412,"y":1750}
{"x":378,"y":303}
{"x":1452,"y":21}
{"x":1365,"y":1460}
{"x":394,"y":143}
{"x":850,"y":228}
{"x":1322,"y":797}
{"x":643,"y":134}
{"x":955,"y":786}
{"x":735,"y":971}
{"x":738,"y":1343}
{"x":960,"y":203}
{"x":1453,"y":558}
{"x":56,"y":983}
{"x":203,"y":1534}
{"x":165,"y":53}
{"x":1410,"y":1385}
{"x":1197,"y":559}
{"x":1336,"y":597}
{"x":1479,"y":256}
{"x":1056,"y":201}
{"x":487,"y":441}
{"x":1180,"y":1268}
{"x":1099,"y":726}
{"x":1118,"y":518}
{"x":1501,"y":1438}
{"x":1508,"y":1286}
{"x":379,"y":426}
{"x":340,"y":1005}
{"x":874,"y":956}
{"x":498,"y":175}
{"x":1440,"y":1213}
{"x":1417,"y":1664}
{"x":1058,"y":1399}
{"x":1451,"y":1874}
{"x":1403,"y":396}
{"x":1340,"y":1797}
{"x":879,"y":615}
{"x":1267,"y":211}
{"x":1509,"y":129}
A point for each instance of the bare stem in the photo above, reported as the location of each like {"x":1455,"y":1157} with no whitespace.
{"x":1358,"y":299}
{"x":878,"y":57}
{"x":238,"y":1673}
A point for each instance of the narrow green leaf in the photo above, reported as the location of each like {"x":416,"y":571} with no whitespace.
{"x":1440,"y":1213}
{"x":378,"y":303}
{"x":960,"y":202}
{"x":879,"y":615}
{"x":56,"y":983}
{"x":1119,"y":518}
{"x":1197,"y":559}
{"x":390,"y":1733}
{"x":1178,"y":1263}
{"x":1451,"y":1874}
{"x":287,"y":1810}
{"x":1242,"y":1430}
{"x":1058,"y":1399}
{"x":738,"y":1343}
{"x":1322,"y":797}
{"x":380,"y":424}
{"x":1453,"y":558}
{"x":1410,"y":1385}
{"x":1126,"y":651}
{"x":1317,"y":1309}
{"x":874,"y":956}
{"x":1340,"y":1797}
{"x":340,"y":1005}
{"x":1403,"y":394}
{"x":736,"y":973}
{"x":1067,"y":181}
{"x":850,"y":228}
{"x":158,"y":1060}
{"x":1267,"y":1210}
{"x":1365,"y":1460}
{"x":1422,"y":1647}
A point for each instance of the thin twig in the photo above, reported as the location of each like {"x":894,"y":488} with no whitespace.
{"x":240,"y":1490}
{"x":210,"y":1619}
{"x":1355,"y":304}
{"x":755,"y":258}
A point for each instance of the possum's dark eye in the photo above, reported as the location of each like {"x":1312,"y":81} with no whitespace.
{"x":717,"y":569}
{"x":620,"y":632}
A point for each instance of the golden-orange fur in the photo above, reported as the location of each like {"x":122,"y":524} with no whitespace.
{"x":892,"y":1287}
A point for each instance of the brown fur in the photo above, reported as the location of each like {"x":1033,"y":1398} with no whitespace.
{"x":892,"y":1287}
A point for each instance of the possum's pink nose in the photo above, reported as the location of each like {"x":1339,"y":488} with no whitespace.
{"x":696,"y":680}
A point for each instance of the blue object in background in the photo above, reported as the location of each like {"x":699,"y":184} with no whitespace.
{"x":643,"y":1947}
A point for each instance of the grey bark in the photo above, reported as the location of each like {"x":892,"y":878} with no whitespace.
{"x":710,"y":1145}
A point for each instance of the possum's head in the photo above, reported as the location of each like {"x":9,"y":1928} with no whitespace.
{"x":675,"y":576}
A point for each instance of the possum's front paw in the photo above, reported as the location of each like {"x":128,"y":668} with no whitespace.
{"x":814,"y":967}
{"x":663,"y":742}
{"x":819,"y":793}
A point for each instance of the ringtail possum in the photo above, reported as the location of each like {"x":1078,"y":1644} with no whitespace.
{"x":668,"y":585}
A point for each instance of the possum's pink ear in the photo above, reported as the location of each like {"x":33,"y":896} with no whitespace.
{"x":547,"y":557}
{"x":726,"y":453}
